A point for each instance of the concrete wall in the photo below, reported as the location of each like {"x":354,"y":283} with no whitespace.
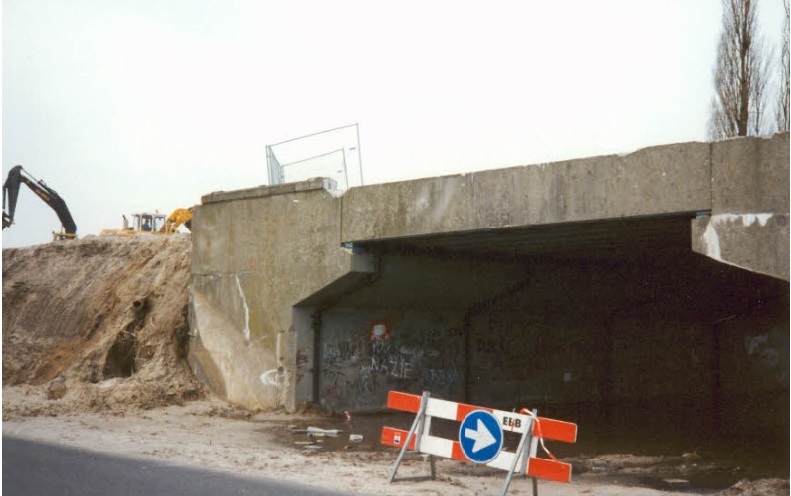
{"x":279,"y":305}
{"x":255,"y":254}
{"x":421,"y":302}
{"x":420,"y":351}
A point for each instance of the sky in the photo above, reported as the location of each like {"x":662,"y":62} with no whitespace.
{"x":139,"y":105}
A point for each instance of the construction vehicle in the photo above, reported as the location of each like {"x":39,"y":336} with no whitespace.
{"x":18,"y":175}
{"x":177,"y":218}
{"x":140,"y":223}
{"x":146,"y":222}
{"x":151,"y":223}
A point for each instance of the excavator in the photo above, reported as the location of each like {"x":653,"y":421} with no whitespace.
{"x":19,"y":175}
{"x":177,"y":218}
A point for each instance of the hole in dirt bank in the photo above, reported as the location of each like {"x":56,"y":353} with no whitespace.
{"x":140,"y":304}
{"x":120,"y":360}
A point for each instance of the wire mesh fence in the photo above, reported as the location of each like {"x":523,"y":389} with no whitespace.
{"x":333,"y":153}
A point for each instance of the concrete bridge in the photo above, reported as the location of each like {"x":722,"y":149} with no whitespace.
{"x":600,"y":287}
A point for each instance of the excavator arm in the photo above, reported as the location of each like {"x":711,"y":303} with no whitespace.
{"x":177,"y":218}
{"x":18,"y":175}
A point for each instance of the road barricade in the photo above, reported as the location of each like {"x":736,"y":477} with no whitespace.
{"x":480,"y":437}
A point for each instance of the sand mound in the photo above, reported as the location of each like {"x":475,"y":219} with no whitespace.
{"x":96,"y":324}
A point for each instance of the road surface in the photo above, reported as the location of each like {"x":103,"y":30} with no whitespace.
{"x":43,"y":470}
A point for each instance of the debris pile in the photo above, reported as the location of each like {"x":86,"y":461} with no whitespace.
{"x":760,"y":487}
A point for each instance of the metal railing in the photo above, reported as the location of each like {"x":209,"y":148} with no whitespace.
{"x":322,"y":154}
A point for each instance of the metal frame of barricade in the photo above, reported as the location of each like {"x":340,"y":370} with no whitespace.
{"x":528,"y":445}
{"x":419,"y":424}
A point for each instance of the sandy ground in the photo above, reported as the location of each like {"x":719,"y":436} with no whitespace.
{"x":215,"y":436}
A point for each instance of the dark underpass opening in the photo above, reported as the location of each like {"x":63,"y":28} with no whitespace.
{"x":650,"y":348}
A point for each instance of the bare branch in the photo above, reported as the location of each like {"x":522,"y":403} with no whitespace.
{"x":782,"y":111}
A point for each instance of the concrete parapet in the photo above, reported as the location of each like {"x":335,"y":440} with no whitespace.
{"x":653,"y":181}
{"x":317,"y":183}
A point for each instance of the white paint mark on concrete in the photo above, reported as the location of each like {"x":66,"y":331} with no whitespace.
{"x":712,"y":242}
{"x":270,"y":378}
{"x":422,"y":202}
{"x":747,"y":220}
{"x":711,"y":237}
{"x":278,"y":352}
{"x":763,"y":219}
{"x":246,"y":329}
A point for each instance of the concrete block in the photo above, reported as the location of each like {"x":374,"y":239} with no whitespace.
{"x":750,"y":175}
{"x":759,"y":243}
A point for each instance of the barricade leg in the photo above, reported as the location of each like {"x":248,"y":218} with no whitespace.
{"x":530,"y":452}
{"x":417,"y":427}
{"x":519,"y":457}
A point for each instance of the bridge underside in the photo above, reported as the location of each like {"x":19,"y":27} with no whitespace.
{"x":614,"y":324}
{"x":606,"y":238}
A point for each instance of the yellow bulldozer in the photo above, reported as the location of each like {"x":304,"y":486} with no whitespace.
{"x":152,"y":223}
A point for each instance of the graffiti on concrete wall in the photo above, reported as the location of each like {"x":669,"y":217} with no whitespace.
{"x":768,"y":355}
{"x":339,"y":361}
{"x":303,"y":365}
{"x":359,"y":369}
{"x":499,"y":354}
{"x":344,"y":352}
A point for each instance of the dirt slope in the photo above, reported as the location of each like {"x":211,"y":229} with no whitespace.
{"x":99,"y":323}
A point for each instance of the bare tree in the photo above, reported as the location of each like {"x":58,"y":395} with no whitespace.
{"x":782,"y":113}
{"x":740,"y":74}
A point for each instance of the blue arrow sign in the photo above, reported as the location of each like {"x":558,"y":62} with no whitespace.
{"x":481,"y":436}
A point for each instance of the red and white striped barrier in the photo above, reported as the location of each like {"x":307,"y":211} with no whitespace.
{"x":523,"y":461}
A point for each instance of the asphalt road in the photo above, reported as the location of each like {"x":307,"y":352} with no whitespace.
{"x":31,"y":468}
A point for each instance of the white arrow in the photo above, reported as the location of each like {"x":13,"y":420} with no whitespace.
{"x":481,"y":435}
